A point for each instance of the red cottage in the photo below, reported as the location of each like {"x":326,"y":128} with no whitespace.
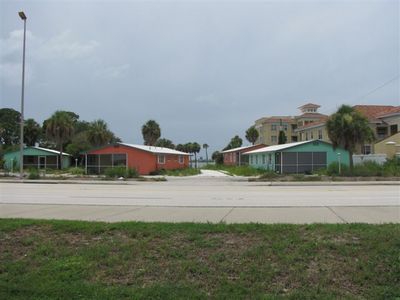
{"x":235,"y":157}
{"x":144,"y":159}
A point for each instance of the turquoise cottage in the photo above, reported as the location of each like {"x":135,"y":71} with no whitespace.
{"x":36,"y":157}
{"x":298,"y":157}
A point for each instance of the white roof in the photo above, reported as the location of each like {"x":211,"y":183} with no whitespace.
{"x":154,"y":149}
{"x":278,"y":147}
{"x":237,"y":149}
{"x":50,"y":150}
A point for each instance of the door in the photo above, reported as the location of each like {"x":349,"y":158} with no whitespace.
{"x":42,"y":162}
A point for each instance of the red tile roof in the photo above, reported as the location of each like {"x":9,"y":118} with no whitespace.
{"x":375,"y":111}
{"x":278,"y":119}
{"x":312,"y":124}
{"x":312,"y":115}
{"x":309,"y":105}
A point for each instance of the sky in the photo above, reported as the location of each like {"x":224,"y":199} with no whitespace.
{"x":204,"y":70}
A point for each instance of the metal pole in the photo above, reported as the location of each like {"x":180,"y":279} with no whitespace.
{"x":21,"y":141}
{"x":340,"y":165}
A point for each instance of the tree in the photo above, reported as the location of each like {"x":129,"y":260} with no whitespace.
{"x":60,"y":129}
{"x":9,"y":126}
{"x":235,"y":142}
{"x":282,"y":137}
{"x":205,"y":147}
{"x":78,"y":144}
{"x":180,"y":147}
{"x":195,"y":149}
{"x":32,"y":132}
{"x":151,"y":132}
{"x":217,"y":157}
{"x":98,"y":133}
{"x":347,"y":128}
{"x":166,"y":143}
{"x":252,"y":135}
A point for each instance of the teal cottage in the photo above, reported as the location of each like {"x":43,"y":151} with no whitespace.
{"x":36,"y":157}
{"x":298,"y":157}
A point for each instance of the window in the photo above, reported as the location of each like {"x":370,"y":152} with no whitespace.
{"x":181,"y":159}
{"x":270,"y":158}
{"x":263,"y":159}
{"x":251,"y":159}
{"x":161,"y":159}
{"x":320,"y":134}
{"x":273,"y":127}
{"x":273,"y":139}
{"x":119,"y":159}
{"x":256,"y":159}
{"x":366,"y":149}
{"x":285,"y":127}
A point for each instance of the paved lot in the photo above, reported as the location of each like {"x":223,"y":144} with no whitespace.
{"x":202,"y":199}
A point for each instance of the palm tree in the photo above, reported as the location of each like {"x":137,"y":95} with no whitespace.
{"x":151,"y":132}
{"x":205,"y":147}
{"x":252,"y":135}
{"x":98,"y":133}
{"x":195,"y":149}
{"x":59,"y":129}
{"x":166,"y":143}
{"x":347,"y":128}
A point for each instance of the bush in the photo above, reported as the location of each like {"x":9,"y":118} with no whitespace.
{"x":392,"y":167}
{"x":76,"y":171}
{"x":33,"y":174}
{"x":121,"y":171}
{"x":333,"y":170}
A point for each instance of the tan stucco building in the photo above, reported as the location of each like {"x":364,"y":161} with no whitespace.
{"x":384,"y":121}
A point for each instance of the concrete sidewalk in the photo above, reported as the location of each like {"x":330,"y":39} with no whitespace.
{"x":268,"y":215}
{"x":199,"y":179}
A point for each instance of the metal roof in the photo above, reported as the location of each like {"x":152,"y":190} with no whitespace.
{"x":153,"y":149}
{"x":275,"y":148}
{"x":50,"y":150}
{"x":237,"y":149}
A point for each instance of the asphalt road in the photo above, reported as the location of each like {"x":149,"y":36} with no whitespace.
{"x":203,"y":199}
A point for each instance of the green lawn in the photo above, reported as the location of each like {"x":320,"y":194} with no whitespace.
{"x":70,"y":260}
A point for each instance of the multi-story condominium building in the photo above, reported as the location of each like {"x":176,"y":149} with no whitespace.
{"x":269,"y":127}
{"x":310,"y":125}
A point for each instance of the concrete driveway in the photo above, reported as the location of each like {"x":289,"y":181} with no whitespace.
{"x":202,"y":199}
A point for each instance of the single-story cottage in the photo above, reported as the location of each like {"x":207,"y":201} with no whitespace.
{"x":36,"y":157}
{"x":298,"y":157}
{"x":234,"y":157}
{"x":145,"y":159}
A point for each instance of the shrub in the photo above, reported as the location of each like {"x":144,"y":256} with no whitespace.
{"x":333,"y":170}
{"x":392,"y":167}
{"x":121,"y":171}
{"x":33,"y":174}
{"x":76,"y":171}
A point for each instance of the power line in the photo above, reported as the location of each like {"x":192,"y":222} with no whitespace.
{"x":370,"y":92}
{"x":377,"y":88}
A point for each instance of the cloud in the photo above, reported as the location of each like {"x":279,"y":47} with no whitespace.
{"x":11,"y":73}
{"x":113,"y":72}
{"x":65,"y":46}
{"x":62,"y":47}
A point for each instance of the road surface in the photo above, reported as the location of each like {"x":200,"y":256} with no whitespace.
{"x":202,"y":199}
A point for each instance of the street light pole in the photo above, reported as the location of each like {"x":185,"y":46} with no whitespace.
{"x":21,"y":141}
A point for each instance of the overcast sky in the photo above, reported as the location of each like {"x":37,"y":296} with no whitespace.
{"x":205,"y":71}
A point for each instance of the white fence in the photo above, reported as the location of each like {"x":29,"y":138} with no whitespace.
{"x":361,"y":158}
